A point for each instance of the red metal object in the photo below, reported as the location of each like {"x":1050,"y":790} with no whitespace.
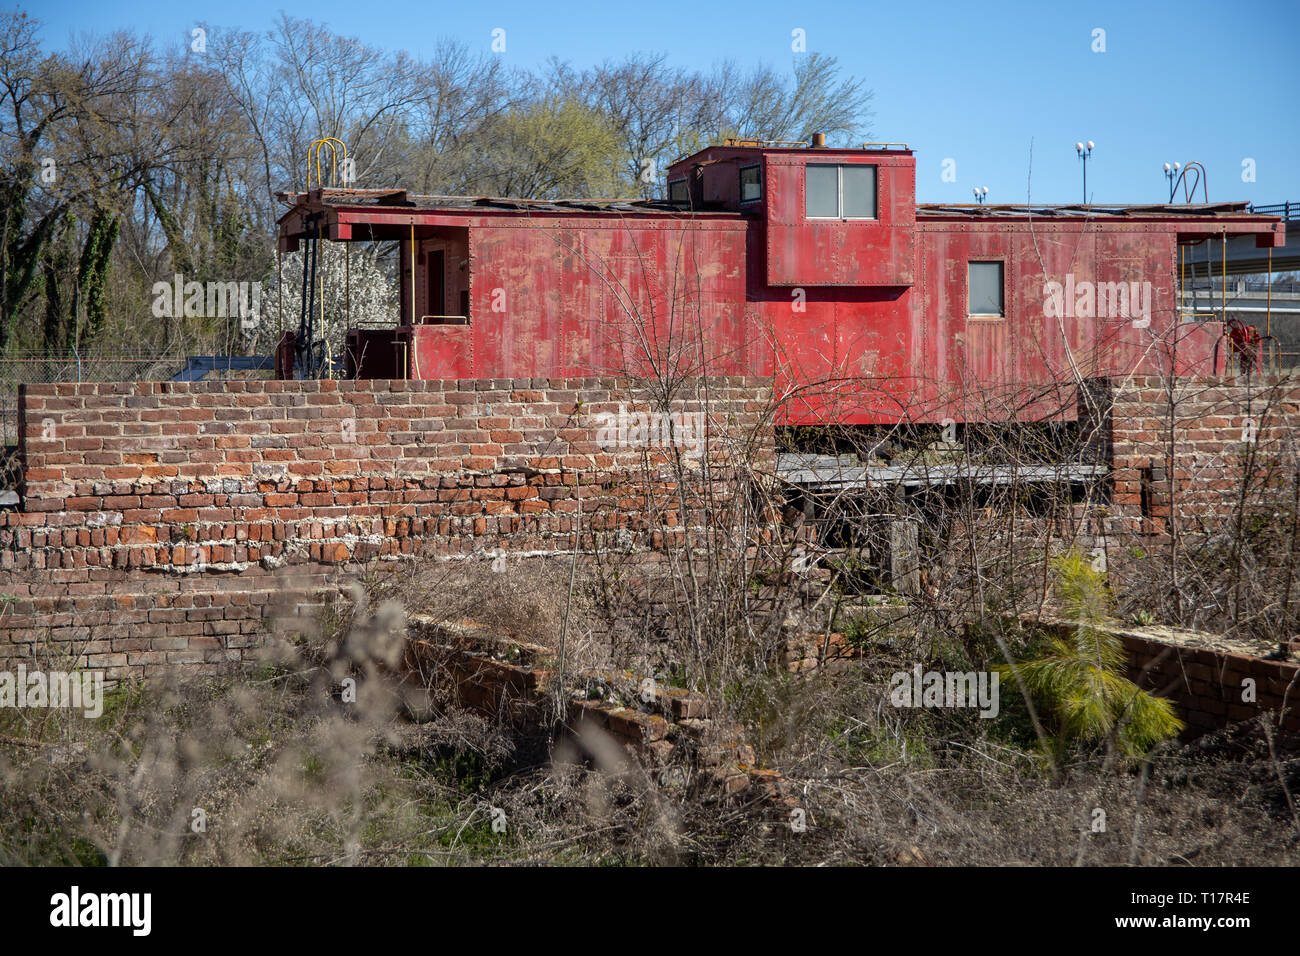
{"x":1244,"y":338}
{"x":284,"y":352}
{"x":1246,"y":343}
{"x":860,"y":320}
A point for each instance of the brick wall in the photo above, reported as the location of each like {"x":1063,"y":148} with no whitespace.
{"x":1207,"y":685}
{"x":1222,"y":429}
{"x":169,"y":523}
{"x":1186,"y":449}
{"x":165,"y":523}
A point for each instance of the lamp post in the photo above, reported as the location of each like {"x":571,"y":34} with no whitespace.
{"x":1084,"y":151}
{"x":981,"y":193}
{"x":1171,"y":174}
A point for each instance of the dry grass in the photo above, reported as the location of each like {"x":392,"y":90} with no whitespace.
{"x":288,"y":773}
{"x":288,"y":769}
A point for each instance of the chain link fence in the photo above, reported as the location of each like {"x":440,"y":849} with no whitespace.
{"x":29,"y":368}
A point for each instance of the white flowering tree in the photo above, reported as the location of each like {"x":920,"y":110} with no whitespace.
{"x":356,"y":282}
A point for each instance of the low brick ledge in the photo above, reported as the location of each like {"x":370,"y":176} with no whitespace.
{"x":501,"y":677}
{"x":1203,"y":677}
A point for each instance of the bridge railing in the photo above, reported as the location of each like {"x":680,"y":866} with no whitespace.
{"x":1287,"y":210}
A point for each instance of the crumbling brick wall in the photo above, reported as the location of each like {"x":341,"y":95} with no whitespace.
{"x":652,"y":723}
{"x":165,"y":523}
{"x":1210,"y":687}
{"x":168,"y":523}
{"x":1182,"y":447}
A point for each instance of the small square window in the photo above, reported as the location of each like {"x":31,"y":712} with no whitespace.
{"x":678,"y":191}
{"x":751,"y":183}
{"x":985,"y":289}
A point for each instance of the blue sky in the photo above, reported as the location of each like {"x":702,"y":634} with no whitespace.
{"x":976,"y":83}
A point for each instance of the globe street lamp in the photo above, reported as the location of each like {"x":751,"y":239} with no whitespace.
{"x":1084,"y":152}
{"x":1171,"y":174}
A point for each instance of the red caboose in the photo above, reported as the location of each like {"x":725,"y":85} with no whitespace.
{"x":811,"y":264}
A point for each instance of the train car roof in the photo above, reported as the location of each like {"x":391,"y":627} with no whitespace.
{"x":1221,"y":210}
{"x":388,"y":206}
{"x":403,"y":200}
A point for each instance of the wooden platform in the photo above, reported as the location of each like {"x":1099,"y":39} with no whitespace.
{"x":816,"y":472}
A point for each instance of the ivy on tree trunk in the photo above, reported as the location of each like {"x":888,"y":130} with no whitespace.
{"x":94,"y":266}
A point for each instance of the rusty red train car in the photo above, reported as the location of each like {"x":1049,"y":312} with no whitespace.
{"x":810,"y":264}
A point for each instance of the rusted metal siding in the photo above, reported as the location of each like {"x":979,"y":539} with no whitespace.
{"x":832,"y":252}
{"x":1037,"y":342}
{"x":576,"y":297}
{"x":569,"y":297}
{"x":859,"y":322}
{"x":439,"y":351}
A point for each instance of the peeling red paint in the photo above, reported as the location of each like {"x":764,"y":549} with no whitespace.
{"x":859,"y":320}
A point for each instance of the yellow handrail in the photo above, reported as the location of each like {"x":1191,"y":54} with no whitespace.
{"x":1223,"y":279}
{"x":1268,"y":309}
{"x":314,"y":150}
